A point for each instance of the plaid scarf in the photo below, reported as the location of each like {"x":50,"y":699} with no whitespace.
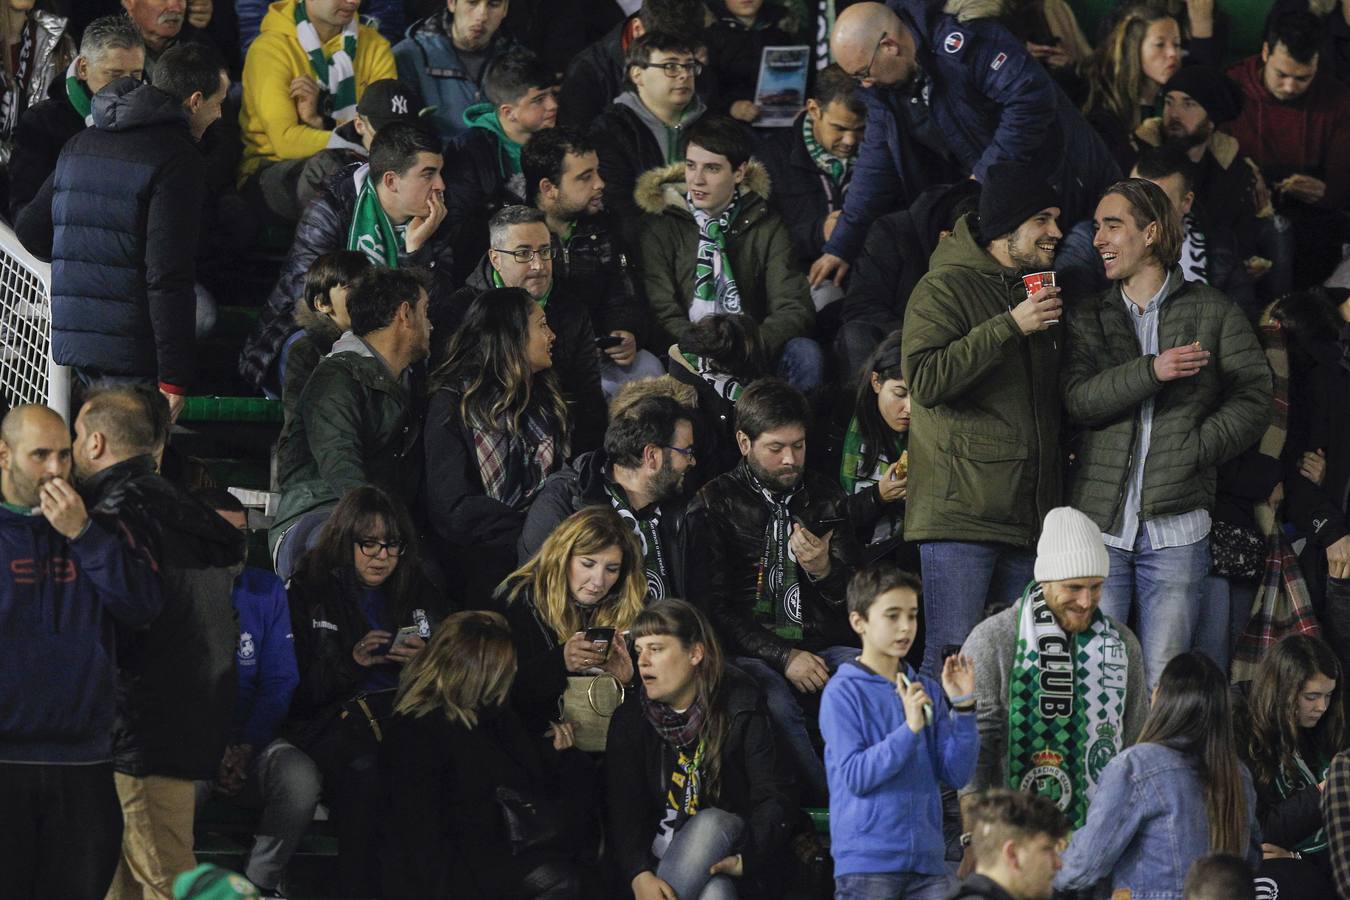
{"x":1287,"y":787}
{"x":679,"y":730}
{"x":511,"y":465}
{"x":1066,"y":705}
{"x":16,"y":85}
{"x":838,"y":169}
{"x":1282,"y":607}
{"x":715,"y":288}
{"x":724,"y":385}
{"x":336,"y":75}
{"x":371,"y":232}
{"x":78,"y":95}
{"x":648,"y":531}
{"x":778,"y":595}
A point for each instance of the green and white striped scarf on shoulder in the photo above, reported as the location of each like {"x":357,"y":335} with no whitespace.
{"x":337,"y":74}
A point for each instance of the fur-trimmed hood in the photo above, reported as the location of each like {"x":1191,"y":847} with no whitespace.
{"x":315,"y":324}
{"x":1223,"y":147}
{"x":658,"y":386}
{"x":965,"y":10}
{"x":664,"y":187}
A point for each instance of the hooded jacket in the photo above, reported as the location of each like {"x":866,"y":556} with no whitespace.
{"x":482,"y":175}
{"x":428,"y":62}
{"x":271,"y":126}
{"x":177,"y":685}
{"x":1310,"y":135}
{"x":265,"y":657}
{"x":802,"y":194}
{"x":126,"y":209}
{"x":984,"y":400}
{"x":773,"y":290}
{"x":1227,"y":180}
{"x":320,"y":333}
{"x":58,"y":610}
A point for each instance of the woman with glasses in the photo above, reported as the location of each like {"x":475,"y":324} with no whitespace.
{"x":496,"y":426}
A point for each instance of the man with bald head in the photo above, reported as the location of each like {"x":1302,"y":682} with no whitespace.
{"x":947,"y":99}
{"x":68,"y":579}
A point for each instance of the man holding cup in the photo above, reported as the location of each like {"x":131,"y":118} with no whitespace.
{"x":981,"y":356}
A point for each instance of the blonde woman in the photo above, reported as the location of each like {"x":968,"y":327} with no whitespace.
{"x":588,"y":574}
{"x":452,"y":751}
{"x":1139,"y":55}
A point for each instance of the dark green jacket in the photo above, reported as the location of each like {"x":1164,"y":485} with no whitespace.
{"x":984,"y":455}
{"x":774,"y":292}
{"x":355,"y":424}
{"x":1198,"y":422}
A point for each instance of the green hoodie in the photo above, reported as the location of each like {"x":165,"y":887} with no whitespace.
{"x":484,"y":115}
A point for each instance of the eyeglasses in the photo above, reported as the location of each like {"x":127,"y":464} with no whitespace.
{"x":866,"y":73}
{"x":686,"y":452}
{"x":673,"y":69}
{"x":525,"y":254}
{"x":371,"y":549}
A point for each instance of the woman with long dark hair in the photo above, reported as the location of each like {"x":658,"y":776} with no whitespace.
{"x":697,"y":804}
{"x":496,"y":426}
{"x":1178,"y":794}
{"x":1131,"y":65}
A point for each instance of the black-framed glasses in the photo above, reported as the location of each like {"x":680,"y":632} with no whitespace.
{"x":525,"y":254}
{"x":673,"y":69}
{"x":371,"y":548}
{"x":686,"y":452}
{"x":867,"y":72}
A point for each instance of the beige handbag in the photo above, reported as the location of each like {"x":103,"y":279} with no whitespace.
{"x":588,"y":703}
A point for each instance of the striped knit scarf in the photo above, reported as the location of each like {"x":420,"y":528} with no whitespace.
{"x":78,"y":95}
{"x":336,"y":75}
{"x":715,"y":288}
{"x":726,"y":386}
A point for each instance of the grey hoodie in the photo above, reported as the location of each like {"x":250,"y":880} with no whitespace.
{"x":667,"y":138}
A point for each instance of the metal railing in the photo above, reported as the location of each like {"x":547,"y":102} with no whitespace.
{"x":27,"y":372}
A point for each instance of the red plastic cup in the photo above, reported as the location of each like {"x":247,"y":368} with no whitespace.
{"x":1034,"y":281}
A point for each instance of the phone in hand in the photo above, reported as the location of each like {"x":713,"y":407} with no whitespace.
{"x":608,"y":341}
{"x":823,"y":525}
{"x":401,"y":638}
{"x":602,"y":637}
{"x":927,"y":707}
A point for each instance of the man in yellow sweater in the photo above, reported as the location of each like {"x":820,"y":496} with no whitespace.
{"x":303,"y":76}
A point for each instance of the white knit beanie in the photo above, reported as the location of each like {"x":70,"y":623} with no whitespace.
{"x":1070,"y":547}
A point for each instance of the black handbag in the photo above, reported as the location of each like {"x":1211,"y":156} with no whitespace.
{"x":1236,"y":552}
{"x":529,"y":825}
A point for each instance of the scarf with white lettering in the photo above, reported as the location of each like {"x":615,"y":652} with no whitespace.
{"x":371,"y":233}
{"x":778,"y":593}
{"x":648,"y":531}
{"x":336,"y":74}
{"x":1194,"y":251}
{"x":715,"y":288}
{"x":1066,"y":705}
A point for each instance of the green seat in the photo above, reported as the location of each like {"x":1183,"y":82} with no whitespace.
{"x":820,"y":817}
{"x":258,"y":410}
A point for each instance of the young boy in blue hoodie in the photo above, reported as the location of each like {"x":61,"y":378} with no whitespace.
{"x":891,"y":739}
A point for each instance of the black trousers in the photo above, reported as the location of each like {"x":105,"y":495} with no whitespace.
{"x":62,"y":830}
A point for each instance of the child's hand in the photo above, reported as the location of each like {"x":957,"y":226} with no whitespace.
{"x":915,"y":698}
{"x":958,"y":676}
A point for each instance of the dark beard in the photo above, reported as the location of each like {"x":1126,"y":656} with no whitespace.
{"x":770,"y":481}
{"x":1187,"y":141}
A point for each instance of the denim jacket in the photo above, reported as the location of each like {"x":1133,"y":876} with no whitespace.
{"x":1146,"y":825}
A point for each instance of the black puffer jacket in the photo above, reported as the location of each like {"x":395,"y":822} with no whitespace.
{"x":126,"y":208}
{"x":802,"y":194}
{"x":43,"y":131}
{"x":322,"y":229}
{"x":176,"y":684}
{"x":726,"y":524}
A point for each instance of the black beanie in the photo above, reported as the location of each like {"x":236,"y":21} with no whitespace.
{"x":1012,"y":193}
{"x":1210,"y":88}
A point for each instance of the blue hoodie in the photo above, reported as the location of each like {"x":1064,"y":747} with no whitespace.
{"x":266,"y":655}
{"x":885,"y":806}
{"x":59,"y":600}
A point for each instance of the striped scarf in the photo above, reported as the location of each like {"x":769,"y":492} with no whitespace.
{"x":778,"y":594}
{"x":336,"y":75}
{"x":78,"y":95}
{"x":715,"y":288}
{"x":831,"y":165}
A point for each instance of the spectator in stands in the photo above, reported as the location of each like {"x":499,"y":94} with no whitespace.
{"x":587,"y":574}
{"x":1139,"y":55}
{"x":167,"y":23}
{"x":383,"y":102}
{"x":1145,"y":468}
{"x":991,"y":102}
{"x":599,"y":74}
{"x":562,"y":180}
{"x":36,"y":53}
{"x":810,"y":164}
{"x":387,"y":15}
{"x":496,"y":426}
{"x":1013,"y":648}
{"x":710,"y":244}
{"x":260,"y":769}
{"x":1015,"y":839}
{"x":887,"y":772}
{"x":1335,"y":20}
{"x":444,"y":58}
{"x":736,"y":39}
{"x":302,"y":78}
{"x":645,"y":126}
{"x":893,"y":259}
{"x":698,"y":802}
{"x":774,"y":554}
{"x":58,"y":805}
{"x":1053,"y":36}
{"x":322,"y":319}
{"x":128,"y":196}
{"x":640,"y":473}
{"x":1179,"y":794}
{"x":453,"y":748}
{"x":177,"y":682}
{"x":361,"y":609}
{"x":1336,"y":813}
{"x":1219,"y":876}
{"x":1296,"y":124}
{"x":356,"y":422}
{"x":391,"y":209}
{"x":982,"y":366}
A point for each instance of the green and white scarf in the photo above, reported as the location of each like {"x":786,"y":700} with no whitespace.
{"x":1066,"y":705}
{"x":648,"y":531}
{"x":371,"y":232}
{"x":826,"y":161}
{"x":778,"y":593}
{"x":726,"y":386}
{"x":715,"y":288}
{"x":78,"y":95}
{"x":1287,"y":787}
{"x":336,"y":75}
{"x":853,"y":474}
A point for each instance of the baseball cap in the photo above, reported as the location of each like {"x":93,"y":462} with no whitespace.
{"x":388,"y":101}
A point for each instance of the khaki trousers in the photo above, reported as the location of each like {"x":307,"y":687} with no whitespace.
{"x":157,"y":815}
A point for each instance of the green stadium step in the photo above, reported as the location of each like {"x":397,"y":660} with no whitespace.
{"x":820,"y":817}
{"x":252,"y":410}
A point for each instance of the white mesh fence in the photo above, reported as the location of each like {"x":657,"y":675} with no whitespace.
{"x":27,"y":373}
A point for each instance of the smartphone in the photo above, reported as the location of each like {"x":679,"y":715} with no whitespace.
{"x":823,"y":525}
{"x":602,"y":637}
{"x":401,"y":639}
{"x":927,"y":707}
{"x":608,"y":341}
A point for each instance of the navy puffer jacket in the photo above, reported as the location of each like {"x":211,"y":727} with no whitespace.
{"x":126,"y":209}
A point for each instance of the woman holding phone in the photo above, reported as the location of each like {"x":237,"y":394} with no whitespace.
{"x":588,"y":575}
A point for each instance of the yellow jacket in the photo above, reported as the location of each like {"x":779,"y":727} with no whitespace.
{"x":272,"y":129}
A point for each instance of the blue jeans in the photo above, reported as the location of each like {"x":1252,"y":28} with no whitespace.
{"x":709,"y":836}
{"x":789,"y":720}
{"x":961,"y":579}
{"x":802,"y":363}
{"x":1225,"y":609}
{"x":893,"y":886}
{"x":1158,"y":592}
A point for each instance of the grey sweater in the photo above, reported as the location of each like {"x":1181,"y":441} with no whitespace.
{"x":991,"y":646}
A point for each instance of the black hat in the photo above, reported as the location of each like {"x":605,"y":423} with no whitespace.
{"x":1211,"y":89}
{"x":1012,"y":193}
{"x":388,"y":101}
